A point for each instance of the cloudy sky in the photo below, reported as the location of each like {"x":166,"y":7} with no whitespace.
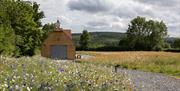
{"x":110,"y":15}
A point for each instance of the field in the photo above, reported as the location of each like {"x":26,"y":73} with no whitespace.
{"x":40,"y":74}
{"x":161,"y":62}
{"x":95,"y":73}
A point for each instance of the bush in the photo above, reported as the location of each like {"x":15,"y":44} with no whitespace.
{"x":177,"y":43}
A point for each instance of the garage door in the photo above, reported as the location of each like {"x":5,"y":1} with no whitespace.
{"x":59,"y":52}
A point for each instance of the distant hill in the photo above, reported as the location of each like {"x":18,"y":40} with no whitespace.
{"x":99,"y":39}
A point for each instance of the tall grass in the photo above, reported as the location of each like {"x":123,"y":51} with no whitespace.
{"x":160,"y":62}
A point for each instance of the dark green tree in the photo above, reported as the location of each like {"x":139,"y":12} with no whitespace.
{"x":84,"y":40}
{"x":47,"y":28}
{"x":23,"y":19}
{"x":177,"y":43}
{"x":145,"y":34}
{"x":37,"y":14}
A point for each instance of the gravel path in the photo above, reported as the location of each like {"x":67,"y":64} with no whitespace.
{"x":147,"y":81}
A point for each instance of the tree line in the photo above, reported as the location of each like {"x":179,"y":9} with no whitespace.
{"x":141,"y":35}
{"x":21,"y":31}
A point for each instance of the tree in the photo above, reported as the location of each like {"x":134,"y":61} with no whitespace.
{"x":47,"y":28}
{"x":23,"y":19}
{"x":7,"y":46}
{"x":145,"y":34}
{"x":177,"y":43}
{"x":84,"y":40}
{"x":37,"y":15}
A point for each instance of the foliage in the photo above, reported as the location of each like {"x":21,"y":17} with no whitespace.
{"x":177,"y":43}
{"x":6,"y":41}
{"x":40,"y":74}
{"x":103,"y":48}
{"x":47,"y":28}
{"x":170,"y":41}
{"x":37,"y":15}
{"x":109,"y":39}
{"x":160,"y":62}
{"x":84,"y":40}
{"x":23,"y":20}
{"x":145,"y":35}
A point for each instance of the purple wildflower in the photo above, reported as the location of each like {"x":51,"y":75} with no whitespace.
{"x":61,"y":70}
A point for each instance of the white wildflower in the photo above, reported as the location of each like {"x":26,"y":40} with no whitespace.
{"x":29,"y":89}
{"x":27,"y":74}
{"x":5,"y":85}
{"x":16,"y":87}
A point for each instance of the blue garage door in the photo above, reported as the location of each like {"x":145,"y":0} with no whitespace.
{"x":59,"y":52}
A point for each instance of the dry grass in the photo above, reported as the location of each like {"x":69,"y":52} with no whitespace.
{"x":161,"y":62}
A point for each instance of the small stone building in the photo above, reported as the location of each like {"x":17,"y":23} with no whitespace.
{"x":59,"y":44}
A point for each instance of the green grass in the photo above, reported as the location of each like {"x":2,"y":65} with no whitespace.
{"x":40,"y":74}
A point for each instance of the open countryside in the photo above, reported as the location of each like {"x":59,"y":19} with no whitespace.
{"x":89,"y":45}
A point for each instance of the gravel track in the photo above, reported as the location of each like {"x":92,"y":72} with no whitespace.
{"x":147,"y":81}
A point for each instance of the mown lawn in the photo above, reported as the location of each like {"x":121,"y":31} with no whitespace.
{"x":161,"y":62}
{"x":40,"y":74}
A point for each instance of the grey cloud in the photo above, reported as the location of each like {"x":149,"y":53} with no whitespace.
{"x":92,"y":12}
{"x":111,"y":24}
{"x":97,"y":23}
{"x":165,"y":3}
{"x":91,"y":6}
{"x":107,"y":8}
{"x":124,"y":12}
{"x":175,"y":31}
{"x":131,"y":12}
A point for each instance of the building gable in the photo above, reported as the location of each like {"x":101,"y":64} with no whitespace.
{"x":59,"y":37}
{"x":59,"y":44}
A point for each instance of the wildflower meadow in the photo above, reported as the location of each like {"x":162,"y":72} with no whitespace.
{"x":41,"y":74}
